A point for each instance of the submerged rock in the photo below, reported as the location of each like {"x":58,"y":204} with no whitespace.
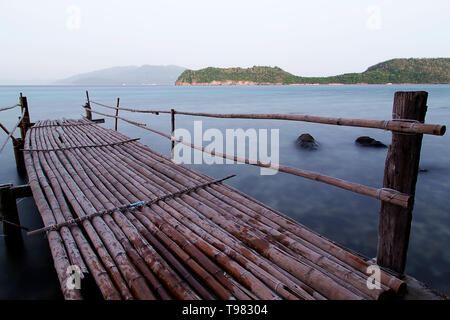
{"x":306,"y":141}
{"x":369,"y":142}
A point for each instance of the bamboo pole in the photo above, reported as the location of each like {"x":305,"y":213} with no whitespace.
{"x":398,"y":125}
{"x":11,"y":107}
{"x":383,"y":194}
{"x":12,"y":131}
{"x":156,"y":112}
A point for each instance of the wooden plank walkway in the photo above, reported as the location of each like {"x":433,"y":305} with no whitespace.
{"x":193,"y":238}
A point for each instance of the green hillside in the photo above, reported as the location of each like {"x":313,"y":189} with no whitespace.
{"x":432,"y":70}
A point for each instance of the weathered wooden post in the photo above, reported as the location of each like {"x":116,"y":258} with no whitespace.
{"x":117,"y":114}
{"x":25,"y":124}
{"x":172,"y":142}
{"x":18,"y":145}
{"x":88,"y":107}
{"x":8,"y":212}
{"x":400,"y":173}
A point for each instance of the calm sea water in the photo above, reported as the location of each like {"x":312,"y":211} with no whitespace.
{"x":342,"y":216}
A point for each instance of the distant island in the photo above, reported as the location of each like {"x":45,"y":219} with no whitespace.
{"x":128,"y":75}
{"x":413,"y":70}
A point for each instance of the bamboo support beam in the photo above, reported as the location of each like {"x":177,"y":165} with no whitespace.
{"x":384,"y":194}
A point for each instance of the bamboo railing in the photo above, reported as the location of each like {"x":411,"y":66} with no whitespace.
{"x":398,"y":125}
{"x":388,"y":195}
{"x":11,"y":132}
{"x":397,"y":195}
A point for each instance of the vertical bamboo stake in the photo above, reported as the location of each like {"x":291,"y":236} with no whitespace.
{"x":172,"y":142}
{"x":88,"y":106}
{"x":400,"y":173}
{"x":117,"y":114}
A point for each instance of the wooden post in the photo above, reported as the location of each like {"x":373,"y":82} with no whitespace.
{"x":18,"y":145}
{"x":400,"y":173}
{"x":88,"y":106}
{"x":8,"y":211}
{"x":172,"y":143}
{"x":25,"y":124}
{"x":117,"y":114}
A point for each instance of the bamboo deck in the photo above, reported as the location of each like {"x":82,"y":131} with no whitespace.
{"x":196,"y":238}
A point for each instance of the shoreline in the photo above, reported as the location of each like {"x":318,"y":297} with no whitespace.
{"x":219,"y":84}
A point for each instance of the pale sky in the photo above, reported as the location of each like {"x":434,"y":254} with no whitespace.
{"x":47,"y":40}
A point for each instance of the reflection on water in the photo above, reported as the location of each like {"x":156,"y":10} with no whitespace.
{"x":340,"y":215}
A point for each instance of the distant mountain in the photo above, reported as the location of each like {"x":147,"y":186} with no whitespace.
{"x":427,"y":70}
{"x":129,"y":75}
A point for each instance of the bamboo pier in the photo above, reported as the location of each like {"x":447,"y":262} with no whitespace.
{"x":144,"y":227}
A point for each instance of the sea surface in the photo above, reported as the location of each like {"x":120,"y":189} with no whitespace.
{"x":342,"y":216}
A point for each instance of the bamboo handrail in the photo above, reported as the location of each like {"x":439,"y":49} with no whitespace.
{"x":387,"y":195}
{"x":129,"y":109}
{"x":11,"y":107}
{"x":12,"y":131}
{"x":398,"y":125}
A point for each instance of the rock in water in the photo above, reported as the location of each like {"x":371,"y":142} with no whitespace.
{"x":306,"y":141}
{"x":369,"y":142}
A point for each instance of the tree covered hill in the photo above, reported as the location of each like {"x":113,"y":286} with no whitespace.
{"x":426,"y":70}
